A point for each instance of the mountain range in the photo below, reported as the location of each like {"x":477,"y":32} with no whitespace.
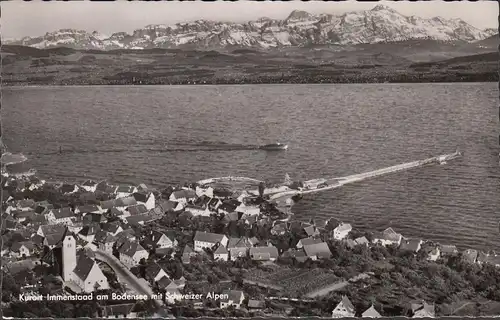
{"x":301,"y":29}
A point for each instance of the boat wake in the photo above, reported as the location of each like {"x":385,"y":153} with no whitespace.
{"x":166,"y":149}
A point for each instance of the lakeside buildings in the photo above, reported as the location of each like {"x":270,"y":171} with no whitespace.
{"x":68,"y":238}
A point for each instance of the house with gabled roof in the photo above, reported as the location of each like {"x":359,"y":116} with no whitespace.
{"x":88,"y":276}
{"x":156,"y":239}
{"x":413,"y":245}
{"x":221,"y":253}
{"x":89,"y":186}
{"x":108,"y":204}
{"x":62,"y":216}
{"x":131,"y":253}
{"x":104,"y":241}
{"x":371,"y":312}
{"x":341,"y":231}
{"x":88,"y":208}
{"x":345,"y":309}
{"x":297,"y":254}
{"x":232,"y":298}
{"x":238,"y":247}
{"x":307,"y":241}
{"x":269,"y":253}
{"x":197,"y":210}
{"x":125,"y":191}
{"x":137,"y":209}
{"x":388,"y":237}
{"x":88,"y":232}
{"x":145,"y":198}
{"x":112,"y":228}
{"x":317,"y":251}
{"x":171,"y":206}
{"x":22,"y":249}
{"x":209,"y":192}
{"x":182,"y":195}
{"x":448,"y":250}
{"x":208,"y":240}
{"x":124,"y":202}
{"x":154,"y":273}
{"x":46,"y":230}
{"x":187,"y":253}
{"x":68,"y":188}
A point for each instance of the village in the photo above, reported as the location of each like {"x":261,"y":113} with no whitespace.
{"x":206,"y":251}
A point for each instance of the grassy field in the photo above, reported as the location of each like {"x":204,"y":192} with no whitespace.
{"x":416,"y":61}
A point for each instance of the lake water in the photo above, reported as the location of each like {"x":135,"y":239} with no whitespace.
{"x":163,"y":135}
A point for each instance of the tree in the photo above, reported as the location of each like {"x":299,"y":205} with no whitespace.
{"x":262,"y":188}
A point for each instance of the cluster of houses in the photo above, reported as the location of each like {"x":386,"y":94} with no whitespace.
{"x":67,"y":237}
{"x":345,"y":309}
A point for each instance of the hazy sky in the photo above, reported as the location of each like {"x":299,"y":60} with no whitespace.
{"x":36,"y":18}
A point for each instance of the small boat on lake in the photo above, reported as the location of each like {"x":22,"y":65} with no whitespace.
{"x":274,"y":147}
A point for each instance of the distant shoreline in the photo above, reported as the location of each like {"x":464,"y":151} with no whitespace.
{"x":488,"y":77}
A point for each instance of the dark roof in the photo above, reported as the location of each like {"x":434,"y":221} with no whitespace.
{"x":66,"y":188}
{"x":89,"y":183}
{"x":140,"y":196}
{"x":102,"y":186}
{"x":320,"y":250}
{"x":264,"y":253}
{"x":137,"y":209}
{"x":168,"y":205}
{"x":17,"y":245}
{"x":53,"y":229}
{"x":153,"y":270}
{"x":129,"y":248}
{"x":187,"y":194}
{"x":63,"y":213}
{"x":125,"y":202}
{"x":88,"y":208}
{"x":309,"y":241}
{"x":208,"y":237}
{"x":27,"y":203}
{"x":410,"y":244}
{"x":108,"y":204}
{"x":188,"y":250}
{"x":203,"y":201}
{"x":164,"y":282}
{"x":18,"y":214}
{"x":89,"y":230}
{"x":221,"y":250}
{"x":228,"y":207}
{"x":110,"y":227}
{"x":238,"y":243}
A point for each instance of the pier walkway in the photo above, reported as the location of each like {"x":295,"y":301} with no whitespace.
{"x":333,"y":183}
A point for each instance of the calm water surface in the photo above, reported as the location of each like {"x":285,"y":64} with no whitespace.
{"x":173,"y":134}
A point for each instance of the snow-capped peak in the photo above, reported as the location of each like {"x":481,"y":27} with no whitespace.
{"x":380,"y":24}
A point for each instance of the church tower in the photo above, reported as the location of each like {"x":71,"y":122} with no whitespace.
{"x":68,"y":257}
